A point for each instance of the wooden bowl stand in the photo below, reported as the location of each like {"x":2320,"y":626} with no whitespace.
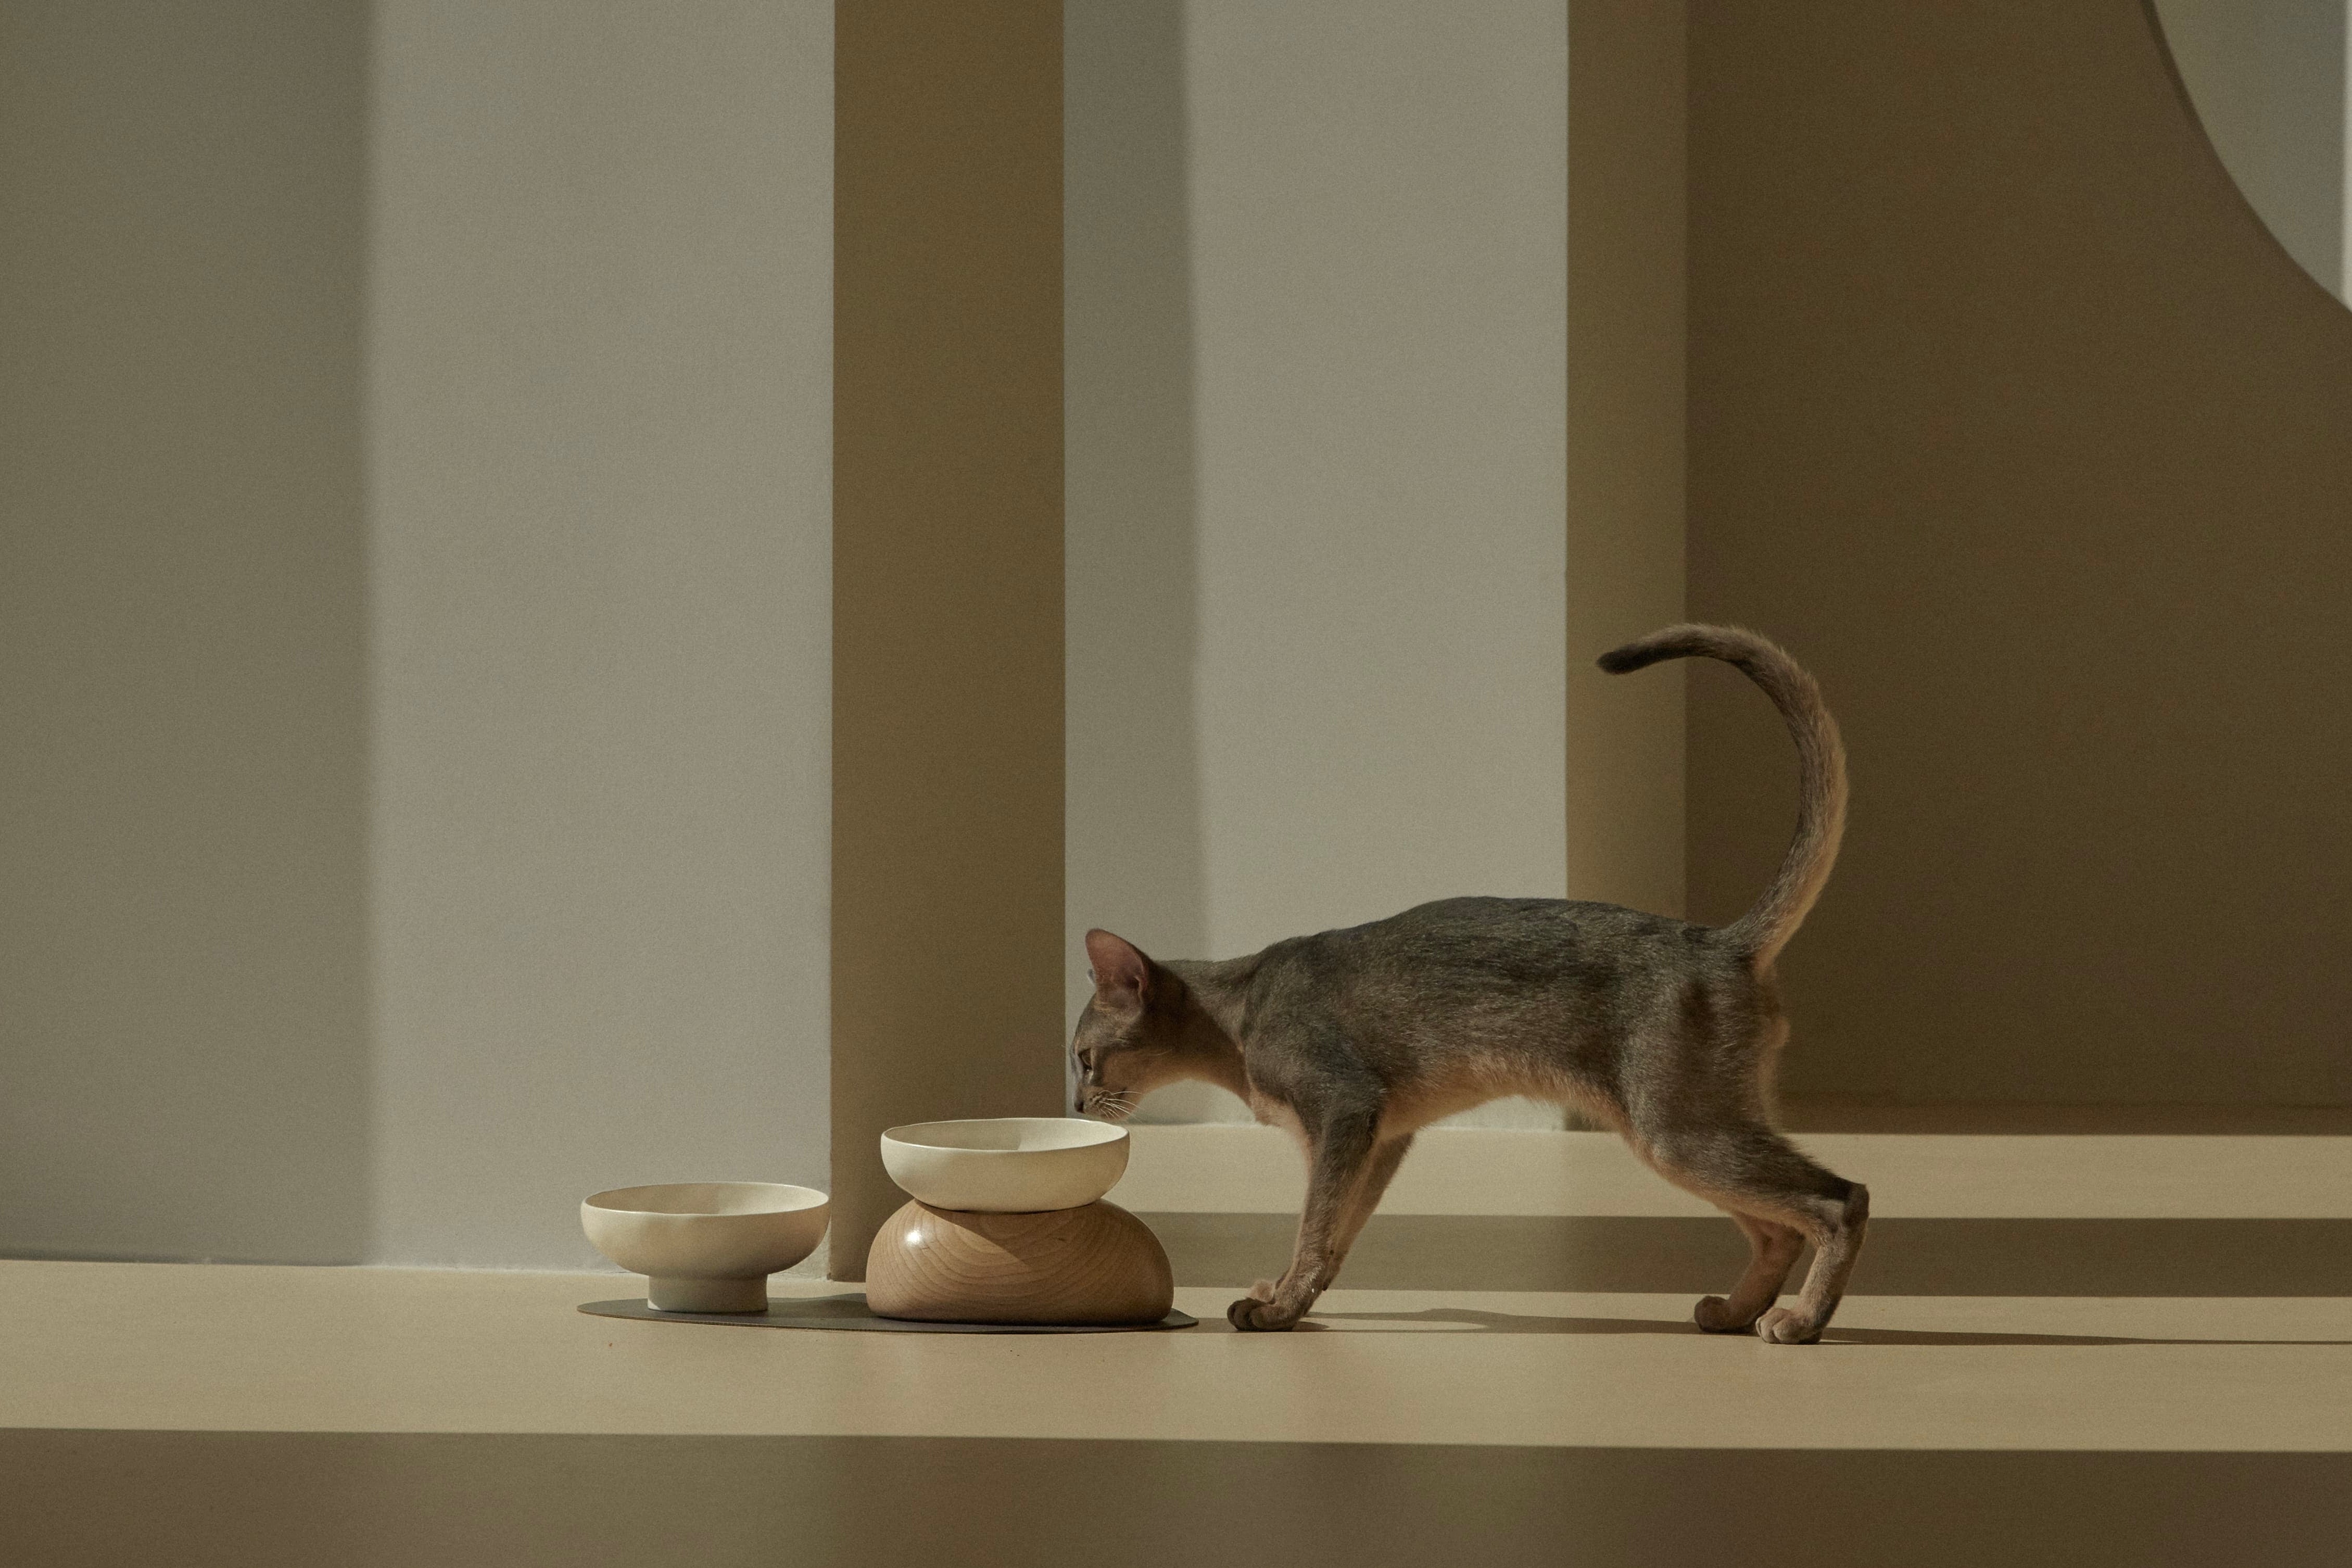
{"x":1096,"y":1264}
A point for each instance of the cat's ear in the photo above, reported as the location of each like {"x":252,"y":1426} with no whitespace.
{"x":1122,"y":975}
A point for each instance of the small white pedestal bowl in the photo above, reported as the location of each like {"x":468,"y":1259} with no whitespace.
{"x":706,"y":1246}
{"x":1010,"y":1164}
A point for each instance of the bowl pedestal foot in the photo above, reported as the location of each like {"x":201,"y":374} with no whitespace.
{"x":673,"y":1294}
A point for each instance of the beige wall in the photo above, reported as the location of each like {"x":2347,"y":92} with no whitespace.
{"x":414,"y":624}
{"x":183,"y":829}
{"x":413,"y":620}
{"x":946,"y":718}
{"x":2011,"y":419}
{"x":1316,"y":275}
{"x":599,"y":391}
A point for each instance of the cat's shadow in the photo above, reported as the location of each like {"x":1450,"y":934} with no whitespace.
{"x":1466,"y":1320}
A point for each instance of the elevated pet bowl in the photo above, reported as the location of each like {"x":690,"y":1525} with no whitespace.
{"x":1008,"y":1226}
{"x":706,"y":1246}
{"x":1007,"y":1164}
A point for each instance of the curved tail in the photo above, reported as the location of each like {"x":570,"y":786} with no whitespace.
{"x":1767,"y":927}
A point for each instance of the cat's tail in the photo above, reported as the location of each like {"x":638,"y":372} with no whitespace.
{"x":1765,"y":928}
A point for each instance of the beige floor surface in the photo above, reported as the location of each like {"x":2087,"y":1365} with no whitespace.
{"x":241,"y":1348}
{"x":2166,"y":1379}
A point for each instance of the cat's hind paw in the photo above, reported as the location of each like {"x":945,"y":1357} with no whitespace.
{"x":1715,"y":1315}
{"x":1782,"y":1327}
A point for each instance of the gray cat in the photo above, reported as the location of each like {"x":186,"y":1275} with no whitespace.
{"x":1666,"y":1031}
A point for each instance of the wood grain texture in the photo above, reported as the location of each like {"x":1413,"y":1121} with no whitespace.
{"x":1099,"y":1264}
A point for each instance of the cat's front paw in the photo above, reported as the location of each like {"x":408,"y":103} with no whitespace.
{"x":1252,"y":1316}
{"x":1782,"y":1327}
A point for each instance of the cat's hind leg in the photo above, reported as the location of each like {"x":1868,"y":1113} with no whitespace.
{"x":1834,"y":1253}
{"x":1773,"y":1250}
{"x":1754,"y":1171}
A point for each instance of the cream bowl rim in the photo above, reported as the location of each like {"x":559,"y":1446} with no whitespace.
{"x":803,"y":1199}
{"x":1109,"y":1132}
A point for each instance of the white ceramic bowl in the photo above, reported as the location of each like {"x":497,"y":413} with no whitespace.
{"x":708,"y":1246}
{"x":1010,"y":1164}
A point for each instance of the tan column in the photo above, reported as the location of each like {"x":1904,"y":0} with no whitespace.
{"x":947,"y":729}
{"x":1625,"y":336}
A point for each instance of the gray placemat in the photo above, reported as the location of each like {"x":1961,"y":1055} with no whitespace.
{"x":850,"y":1312}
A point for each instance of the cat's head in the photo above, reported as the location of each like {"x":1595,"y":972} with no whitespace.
{"x":1130,"y":1038}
